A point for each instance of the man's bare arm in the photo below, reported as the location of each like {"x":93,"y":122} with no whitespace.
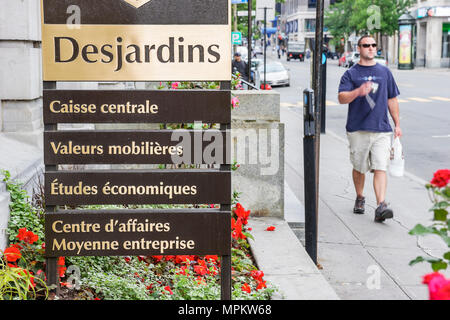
{"x":345,"y":97}
{"x":394,"y":111}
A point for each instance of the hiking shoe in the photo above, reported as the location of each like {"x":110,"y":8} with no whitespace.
{"x":359,"y":205}
{"x":383,"y":212}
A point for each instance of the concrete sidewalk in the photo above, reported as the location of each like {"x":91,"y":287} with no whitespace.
{"x":362,"y":259}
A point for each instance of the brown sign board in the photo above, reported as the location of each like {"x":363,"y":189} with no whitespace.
{"x":139,"y":12}
{"x":112,"y":40}
{"x":137,"y":187}
{"x":137,"y":232}
{"x":131,"y":147}
{"x":136,"y":106}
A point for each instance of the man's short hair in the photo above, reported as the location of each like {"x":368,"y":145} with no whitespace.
{"x":363,"y":37}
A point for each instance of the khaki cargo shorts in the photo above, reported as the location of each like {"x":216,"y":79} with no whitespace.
{"x":369,"y":150}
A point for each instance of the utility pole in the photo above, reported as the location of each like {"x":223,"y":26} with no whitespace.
{"x":249,"y":41}
{"x":311,"y":230}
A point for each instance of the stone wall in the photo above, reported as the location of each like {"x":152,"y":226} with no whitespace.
{"x":258,"y":148}
{"x":20,"y":97}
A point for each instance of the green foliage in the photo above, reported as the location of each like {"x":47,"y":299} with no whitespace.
{"x":17,"y":283}
{"x":22,"y":213}
{"x":348,"y":16}
{"x":440,"y":226}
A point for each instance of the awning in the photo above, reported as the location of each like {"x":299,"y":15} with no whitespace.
{"x":269,"y":31}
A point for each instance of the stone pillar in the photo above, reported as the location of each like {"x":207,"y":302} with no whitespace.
{"x":258,"y":147}
{"x":434,"y":43}
{"x":20,"y":97}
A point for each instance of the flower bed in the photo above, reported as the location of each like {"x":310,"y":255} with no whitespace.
{"x":22,"y":266}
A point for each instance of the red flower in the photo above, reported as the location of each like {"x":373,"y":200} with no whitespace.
{"x":141,"y":258}
{"x":257,"y":275}
{"x":246,"y":288}
{"x":22,"y":233}
{"x":271,"y":228}
{"x":241,"y":213}
{"x":168,"y":258}
{"x":200,"y":269}
{"x":441,"y":178}
{"x":438,"y":286}
{"x":157,"y":258}
{"x":30,"y":237}
{"x":61,"y":261}
{"x":236,"y":226}
{"x":62,"y":271}
{"x":127,"y":259}
{"x":261,"y":285}
{"x":12,"y":254}
{"x":214,"y":258}
{"x":183,"y":259}
{"x":167,"y":288}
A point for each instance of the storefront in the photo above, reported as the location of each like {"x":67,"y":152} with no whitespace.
{"x":433,"y":37}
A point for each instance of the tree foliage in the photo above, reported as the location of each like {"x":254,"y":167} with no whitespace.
{"x":365,"y":17}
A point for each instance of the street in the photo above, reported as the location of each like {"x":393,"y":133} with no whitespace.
{"x":354,"y":242}
{"x":424,"y":111}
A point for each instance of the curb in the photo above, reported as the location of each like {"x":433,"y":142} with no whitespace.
{"x":285,"y":263}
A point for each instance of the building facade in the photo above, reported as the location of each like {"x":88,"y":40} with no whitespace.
{"x":432,"y":42}
{"x":298,"y":21}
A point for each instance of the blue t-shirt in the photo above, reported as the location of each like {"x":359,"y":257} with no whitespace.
{"x":360,"y":114}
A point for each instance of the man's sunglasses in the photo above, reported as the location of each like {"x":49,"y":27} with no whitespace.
{"x":367,"y":45}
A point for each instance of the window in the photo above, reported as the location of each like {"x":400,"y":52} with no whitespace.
{"x":310,"y":25}
{"x":312,"y":3}
{"x":446,"y":40}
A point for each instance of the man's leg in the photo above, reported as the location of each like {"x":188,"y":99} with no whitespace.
{"x":379,"y":185}
{"x":358,"y":181}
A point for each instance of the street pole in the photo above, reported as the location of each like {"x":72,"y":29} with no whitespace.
{"x":265,"y":46}
{"x":317,"y":87}
{"x":249,"y":40}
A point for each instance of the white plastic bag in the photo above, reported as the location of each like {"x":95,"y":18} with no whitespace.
{"x":397,"y":164}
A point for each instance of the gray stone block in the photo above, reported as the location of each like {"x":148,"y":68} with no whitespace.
{"x":257,"y":105}
{"x":4,"y":217}
{"x":259,"y":150}
{"x":20,"y":20}
{"x":20,"y":78}
{"x":22,"y":115}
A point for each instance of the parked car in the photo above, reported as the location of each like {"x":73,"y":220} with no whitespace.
{"x":295,"y":50}
{"x":381,"y":60}
{"x":243,"y":51}
{"x":257,"y":50}
{"x":333,"y":55}
{"x":351,"y":59}
{"x":255,"y":64}
{"x":276,"y":74}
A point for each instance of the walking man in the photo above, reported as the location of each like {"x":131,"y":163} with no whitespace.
{"x":370,"y":90}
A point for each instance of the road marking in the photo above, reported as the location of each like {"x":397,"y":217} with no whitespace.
{"x":447,"y":136}
{"x":401,"y":84}
{"x":441,"y":99}
{"x":287,"y":104}
{"x":402,"y":100}
{"x":420,"y":99}
{"x":330,"y":103}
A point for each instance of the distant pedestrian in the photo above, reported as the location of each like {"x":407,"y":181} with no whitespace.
{"x":308,"y":54}
{"x":240,"y":66}
{"x":278,"y":51}
{"x":370,"y":90}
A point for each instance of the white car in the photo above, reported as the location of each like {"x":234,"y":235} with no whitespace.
{"x":352,"y":59}
{"x":381,"y":60}
{"x":276,"y":75}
